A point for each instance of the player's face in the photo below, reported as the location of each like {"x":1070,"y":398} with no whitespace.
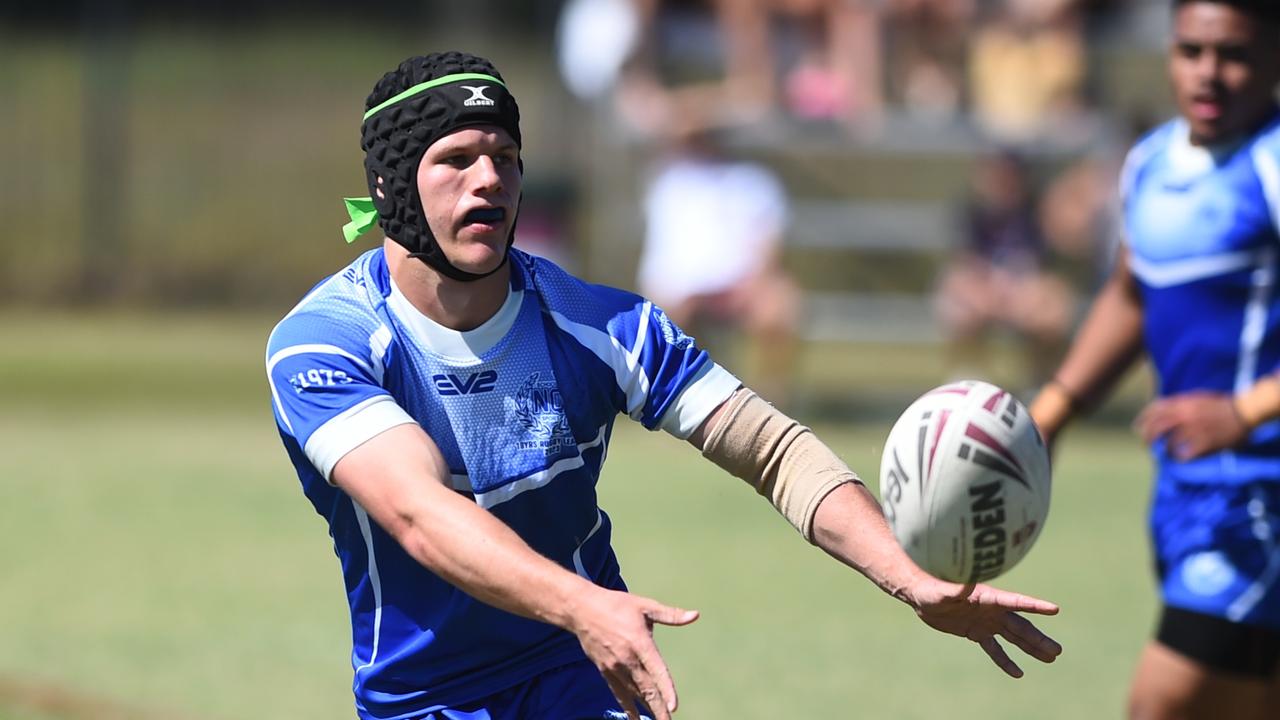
{"x":469,"y":182}
{"x":1224,"y":65}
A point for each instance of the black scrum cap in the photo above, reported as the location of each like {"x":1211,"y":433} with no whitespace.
{"x":411,"y":107}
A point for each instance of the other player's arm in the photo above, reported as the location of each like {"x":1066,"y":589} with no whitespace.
{"x":1107,"y":345}
{"x":828,"y":504}
{"x":400,"y":478}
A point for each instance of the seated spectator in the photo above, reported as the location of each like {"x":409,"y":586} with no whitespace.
{"x":661,"y":59}
{"x":835,"y":72}
{"x":998,"y":278}
{"x":714,"y":231}
{"x":927,"y":44}
{"x":1027,"y":69}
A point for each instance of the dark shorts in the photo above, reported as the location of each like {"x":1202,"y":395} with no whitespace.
{"x":571,"y":692}
{"x":1217,"y":551}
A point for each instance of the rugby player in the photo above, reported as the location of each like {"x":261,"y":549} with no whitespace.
{"x":447,"y":401}
{"x":1194,"y":287}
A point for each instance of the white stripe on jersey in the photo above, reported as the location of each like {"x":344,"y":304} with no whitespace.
{"x":633,"y":358}
{"x":379,"y":341}
{"x":1255,"y":319}
{"x":1269,"y":175}
{"x":577,"y":554}
{"x":625,"y":363}
{"x":704,"y":393}
{"x":497,"y":496}
{"x":1248,"y":599}
{"x":375,"y":580}
{"x":350,"y":429}
{"x":1178,"y":272}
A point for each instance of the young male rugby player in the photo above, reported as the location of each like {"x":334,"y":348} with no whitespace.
{"x":1195,"y":287}
{"x":447,"y":401}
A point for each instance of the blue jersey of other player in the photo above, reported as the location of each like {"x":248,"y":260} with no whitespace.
{"x":1203,"y":231}
{"x":522,"y":409}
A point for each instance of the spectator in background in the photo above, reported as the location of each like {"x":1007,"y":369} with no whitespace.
{"x":662,"y":59}
{"x":712,"y":252}
{"x":837,"y":74}
{"x":928,"y":43}
{"x":998,"y":277}
{"x":1027,"y":69}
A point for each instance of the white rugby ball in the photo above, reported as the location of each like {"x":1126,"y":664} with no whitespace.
{"x":964,"y":481}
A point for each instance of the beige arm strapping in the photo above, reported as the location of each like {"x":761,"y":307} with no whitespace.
{"x":782,"y":459}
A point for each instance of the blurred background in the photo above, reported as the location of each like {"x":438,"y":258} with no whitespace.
{"x":847,"y":201}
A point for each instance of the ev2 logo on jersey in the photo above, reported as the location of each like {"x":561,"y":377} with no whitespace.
{"x":474,"y":384}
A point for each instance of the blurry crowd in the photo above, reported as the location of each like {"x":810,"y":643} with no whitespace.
{"x":1018,"y":67}
{"x":681,"y":74}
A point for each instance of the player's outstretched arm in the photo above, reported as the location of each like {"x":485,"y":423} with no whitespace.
{"x":399,"y":478}
{"x":826,"y":502}
{"x":850,"y":526}
{"x":1107,"y":344}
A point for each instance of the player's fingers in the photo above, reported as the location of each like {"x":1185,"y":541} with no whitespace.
{"x":647,"y":689}
{"x":1155,"y":421}
{"x":656,"y":703}
{"x":1199,"y":440}
{"x":1185,"y":443}
{"x":661,"y":675}
{"x":623,"y":691}
{"x":1183,"y":447}
{"x":669,"y":615}
{"x":1021,"y":632}
{"x":1015,"y":601}
{"x":1000,"y":657}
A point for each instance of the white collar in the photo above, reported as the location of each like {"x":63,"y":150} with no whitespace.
{"x":1189,"y":161}
{"x":459,"y":346}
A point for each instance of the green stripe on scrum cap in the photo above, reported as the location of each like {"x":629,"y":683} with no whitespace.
{"x":423,"y":87}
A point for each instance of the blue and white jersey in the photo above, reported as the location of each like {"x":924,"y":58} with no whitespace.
{"x":522,"y":409}
{"x":1203,"y":230}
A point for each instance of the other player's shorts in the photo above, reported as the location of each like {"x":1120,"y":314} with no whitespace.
{"x":1217,"y":553}
{"x":572,"y":692}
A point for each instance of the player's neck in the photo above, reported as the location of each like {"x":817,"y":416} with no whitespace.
{"x":452,"y":303}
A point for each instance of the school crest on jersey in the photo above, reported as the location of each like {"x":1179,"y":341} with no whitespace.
{"x":674,"y":336}
{"x":539,"y":407}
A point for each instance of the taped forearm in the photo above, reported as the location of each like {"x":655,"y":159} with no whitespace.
{"x":782,"y":459}
{"x":1259,"y":403}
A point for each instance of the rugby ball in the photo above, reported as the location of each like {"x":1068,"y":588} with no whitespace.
{"x":964,"y":481}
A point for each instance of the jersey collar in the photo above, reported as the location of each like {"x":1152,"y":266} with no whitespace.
{"x":462,"y":347}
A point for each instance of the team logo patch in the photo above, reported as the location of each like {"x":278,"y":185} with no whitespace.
{"x":673,"y":336}
{"x":477,"y":96}
{"x":539,"y":407}
{"x":1208,"y":573}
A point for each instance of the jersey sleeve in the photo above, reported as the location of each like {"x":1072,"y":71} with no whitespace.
{"x":674,"y":385}
{"x":664,"y":380}
{"x":326,"y":386}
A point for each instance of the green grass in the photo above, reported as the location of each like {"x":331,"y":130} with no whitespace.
{"x":159,"y":555}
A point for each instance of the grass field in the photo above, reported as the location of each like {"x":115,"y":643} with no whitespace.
{"x":160,"y":561}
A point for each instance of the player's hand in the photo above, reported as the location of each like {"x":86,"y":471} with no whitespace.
{"x":616,"y":631}
{"x":981,"y":613}
{"x":1194,"y":423}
